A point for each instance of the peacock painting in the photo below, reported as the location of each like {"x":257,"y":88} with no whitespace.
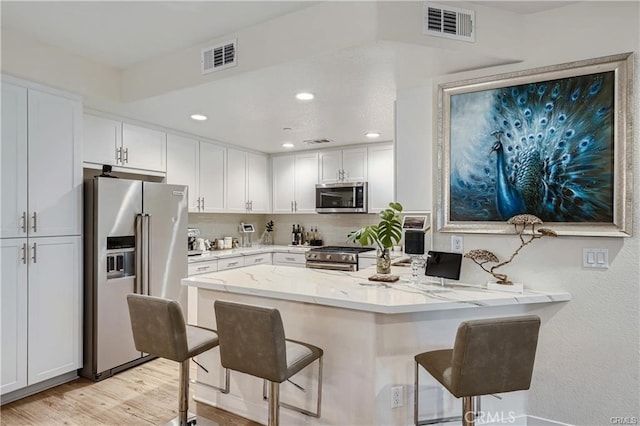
{"x":543,"y":148}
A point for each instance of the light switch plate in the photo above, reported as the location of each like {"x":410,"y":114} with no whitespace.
{"x":595,"y":258}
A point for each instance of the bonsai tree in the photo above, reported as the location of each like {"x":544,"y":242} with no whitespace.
{"x":384,"y":235}
{"x":521,"y":224}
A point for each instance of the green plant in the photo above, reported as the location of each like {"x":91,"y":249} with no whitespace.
{"x":385,"y":234}
{"x":269,"y":226}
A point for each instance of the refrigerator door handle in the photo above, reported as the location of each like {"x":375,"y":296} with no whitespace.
{"x":139,"y":257}
{"x":146,"y":240}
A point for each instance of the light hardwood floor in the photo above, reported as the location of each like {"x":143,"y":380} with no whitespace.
{"x":146,"y":394}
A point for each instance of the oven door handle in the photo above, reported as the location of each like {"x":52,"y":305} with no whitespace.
{"x":332,"y":266}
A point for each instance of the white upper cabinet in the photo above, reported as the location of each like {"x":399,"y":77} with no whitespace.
{"x":258,"y":183}
{"x":101,"y":140}
{"x":212,"y":177}
{"x":183,"y":166}
{"x":283,"y":183}
{"x":200,"y":165}
{"x":345,"y":165}
{"x":381,"y":177}
{"x":13,"y":157}
{"x":247,"y":183}
{"x":112,"y":142}
{"x":144,"y":148}
{"x":294,"y":182}
{"x":237,"y":181}
{"x":41,"y":165}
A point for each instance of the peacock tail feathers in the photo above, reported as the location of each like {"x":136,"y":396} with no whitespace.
{"x":552,"y":152}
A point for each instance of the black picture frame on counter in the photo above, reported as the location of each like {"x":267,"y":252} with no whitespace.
{"x":554,"y":142}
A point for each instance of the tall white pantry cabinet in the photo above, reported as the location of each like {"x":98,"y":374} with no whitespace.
{"x":40,"y":237}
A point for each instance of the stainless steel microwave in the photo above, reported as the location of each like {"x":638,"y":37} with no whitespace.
{"x":342,"y":197}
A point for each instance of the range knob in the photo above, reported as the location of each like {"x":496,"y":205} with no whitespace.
{"x":328,"y":257}
{"x":345,"y":257}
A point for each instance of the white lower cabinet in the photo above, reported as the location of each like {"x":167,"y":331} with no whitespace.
{"x":289,"y":259}
{"x":258,"y":259}
{"x":198,"y":268}
{"x":41,"y":309}
{"x":13,"y":310}
{"x":230,"y":263}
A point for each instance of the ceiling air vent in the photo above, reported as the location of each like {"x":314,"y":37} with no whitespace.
{"x":219,"y":57}
{"x":449,"y":22}
{"x":316,"y":141}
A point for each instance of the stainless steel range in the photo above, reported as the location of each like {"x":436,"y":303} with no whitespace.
{"x":334,"y":257}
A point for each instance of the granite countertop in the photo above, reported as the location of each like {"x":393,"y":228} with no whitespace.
{"x":352,"y":290}
{"x":246,"y":251}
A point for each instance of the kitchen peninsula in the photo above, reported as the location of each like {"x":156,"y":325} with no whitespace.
{"x":369,"y":331}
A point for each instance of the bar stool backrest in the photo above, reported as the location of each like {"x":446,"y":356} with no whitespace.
{"x":252,"y":340}
{"x":158,"y":327}
{"x":494,"y":355}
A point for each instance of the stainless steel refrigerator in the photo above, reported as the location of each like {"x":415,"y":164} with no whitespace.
{"x":135,"y":242}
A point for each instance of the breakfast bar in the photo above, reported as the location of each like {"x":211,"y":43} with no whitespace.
{"x":369,"y":331}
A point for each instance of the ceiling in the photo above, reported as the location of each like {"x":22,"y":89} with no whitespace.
{"x":355,"y":87}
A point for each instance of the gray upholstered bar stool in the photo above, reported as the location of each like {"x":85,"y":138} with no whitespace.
{"x":159,"y":329}
{"x":489,"y":356}
{"x":252,"y":341}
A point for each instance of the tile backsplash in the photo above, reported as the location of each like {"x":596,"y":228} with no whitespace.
{"x":332,"y":227}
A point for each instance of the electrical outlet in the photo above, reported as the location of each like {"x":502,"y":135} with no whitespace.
{"x":457,"y":243}
{"x":397,"y":399}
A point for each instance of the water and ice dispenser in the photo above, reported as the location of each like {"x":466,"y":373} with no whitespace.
{"x":121,"y":256}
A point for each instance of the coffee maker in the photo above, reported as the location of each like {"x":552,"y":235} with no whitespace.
{"x":193,"y":248}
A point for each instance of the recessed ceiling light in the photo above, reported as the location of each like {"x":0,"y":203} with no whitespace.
{"x":305,"y":96}
{"x":372,"y":135}
{"x":287,"y":145}
{"x":198,"y":117}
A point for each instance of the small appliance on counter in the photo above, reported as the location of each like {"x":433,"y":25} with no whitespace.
{"x":195,"y":244}
{"x":246,"y":232}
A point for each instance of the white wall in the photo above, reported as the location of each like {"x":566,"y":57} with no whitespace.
{"x":588,"y":360}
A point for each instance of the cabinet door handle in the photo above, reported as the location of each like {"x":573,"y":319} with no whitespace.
{"x":24,"y":222}
{"x":260,"y":259}
{"x":33,"y":254}
{"x":118,"y":155}
{"x":290,"y":259}
{"x":35,"y":222}
{"x":232,"y":263}
{"x":251,"y":205}
{"x":203,"y":268}
{"x":24,"y":253}
{"x":198,"y":205}
{"x":202,"y":203}
{"x":295,"y":203}
{"x":126,"y":156}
